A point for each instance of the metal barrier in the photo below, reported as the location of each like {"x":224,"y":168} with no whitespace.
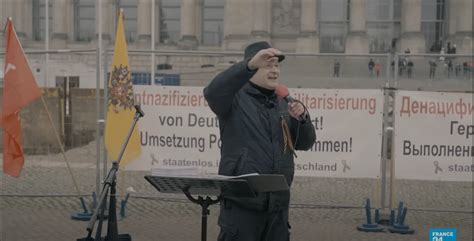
{"x":73,"y":113}
{"x":197,"y":68}
{"x":436,"y":73}
{"x":433,"y":72}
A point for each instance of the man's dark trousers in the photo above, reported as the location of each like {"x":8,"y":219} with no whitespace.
{"x":239,"y":224}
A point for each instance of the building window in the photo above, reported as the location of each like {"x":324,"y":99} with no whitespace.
{"x":334,"y":16}
{"x":130,"y":18}
{"x":212,"y":22}
{"x":433,"y":25}
{"x":65,"y":84}
{"x":84,"y":20}
{"x":141,"y":78}
{"x":383,"y":24}
{"x":73,"y":82}
{"x":170,"y":14}
{"x":39,"y":20}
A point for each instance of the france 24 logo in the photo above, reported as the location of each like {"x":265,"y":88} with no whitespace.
{"x":442,"y":234}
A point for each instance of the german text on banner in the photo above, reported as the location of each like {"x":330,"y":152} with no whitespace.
{"x":20,"y":88}
{"x":180,"y":131}
{"x":434,"y":136}
{"x":121,"y":109}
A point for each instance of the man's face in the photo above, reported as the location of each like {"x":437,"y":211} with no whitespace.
{"x":267,"y":77}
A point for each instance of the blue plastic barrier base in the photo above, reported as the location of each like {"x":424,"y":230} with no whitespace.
{"x":84,"y":216}
{"x":401,"y":229}
{"x":81,"y":216}
{"x":370,"y":228}
{"x":120,"y":237}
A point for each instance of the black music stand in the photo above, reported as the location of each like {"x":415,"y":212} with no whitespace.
{"x":216,"y":185}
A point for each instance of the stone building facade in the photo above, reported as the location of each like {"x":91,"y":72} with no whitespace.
{"x":292,"y":25}
{"x":300,"y":26}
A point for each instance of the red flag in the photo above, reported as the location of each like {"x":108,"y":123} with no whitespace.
{"x":19,"y":89}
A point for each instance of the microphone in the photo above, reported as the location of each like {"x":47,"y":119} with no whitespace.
{"x":139,"y":110}
{"x":282,"y":92}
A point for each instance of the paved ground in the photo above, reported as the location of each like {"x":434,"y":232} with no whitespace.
{"x":36,"y":206}
{"x":47,"y":219}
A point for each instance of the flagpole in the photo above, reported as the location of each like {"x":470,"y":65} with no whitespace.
{"x":153,"y":42}
{"x":6,"y":24}
{"x":98,"y":140}
{"x":62,"y":148}
{"x":46,"y":42}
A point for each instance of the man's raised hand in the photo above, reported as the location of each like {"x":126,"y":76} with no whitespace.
{"x":263,"y":57}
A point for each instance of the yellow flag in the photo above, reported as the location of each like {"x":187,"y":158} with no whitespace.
{"x":121,"y":109}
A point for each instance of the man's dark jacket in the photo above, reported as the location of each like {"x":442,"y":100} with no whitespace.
{"x":252,"y":136}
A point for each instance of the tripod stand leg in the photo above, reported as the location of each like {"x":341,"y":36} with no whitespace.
{"x":101,"y":219}
{"x":112,"y":230}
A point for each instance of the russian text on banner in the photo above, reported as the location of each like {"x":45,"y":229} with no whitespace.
{"x":434,"y":134}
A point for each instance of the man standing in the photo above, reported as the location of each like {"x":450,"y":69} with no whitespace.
{"x":432,"y":68}
{"x":337,"y":67}
{"x":371,"y":67}
{"x":259,"y":134}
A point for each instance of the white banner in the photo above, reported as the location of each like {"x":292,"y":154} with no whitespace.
{"x":348,"y":133}
{"x":180,"y":131}
{"x":433,"y":136}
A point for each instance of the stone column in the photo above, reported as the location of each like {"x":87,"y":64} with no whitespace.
{"x":463,"y":37}
{"x":238,"y":24}
{"x":262,"y":18}
{"x":60,"y":21}
{"x":452,"y":21}
{"x":357,"y":42}
{"x":23,"y":18}
{"x":308,"y":41}
{"x":144,"y":20}
{"x":199,"y":19}
{"x":157,"y":21}
{"x":108,"y":16}
{"x":188,"y":38}
{"x":70,"y":26}
{"x":5,"y":12}
{"x":411,"y":36}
